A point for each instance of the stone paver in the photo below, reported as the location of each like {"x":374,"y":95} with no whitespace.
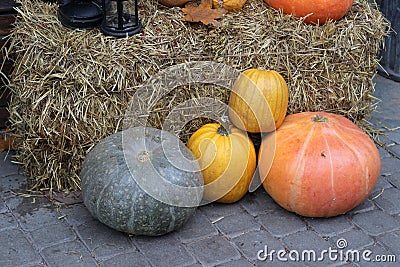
{"x":376,"y":222}
{"x":134,"y":258}
{"x":214,"y":250}
{"x":196,"y":228}
{"x":384,"y":153}
{"x":16,"y":249}
{"x":236,"y":263}
{"x":259,"y":202}
{"x":355,"y":238}
{"x":12,"y":184}
{"x":389,"y":166}
{"x":76,"y":215}
{"x":396,"y":150}
{"x":7,"y":221}
{"x":389,"y":201}
{"x":394,"y":180}
{"x":381,"y":185}
{"x":281,"y":223}
{"x":329,"y":226}
{"x":3,"y":207}
{"x":72,"y":253}
{"x":34,"y":232}
{"x":250,"y":243}
{"x":380,"y":119}
{"x":6,"y":166}
{"x":33,"y":212}
{"x":379,"y":256}
{"x":216,"y":211}
{"x":101,"y":240}
{"x":307,"y":246}
{"x":391,"y":241}
{"x":237,"y":224}
{"x":393,"y":136}
{"x":164,"y":251}
{"x":53,"y":234}
{"x":367,"y":205}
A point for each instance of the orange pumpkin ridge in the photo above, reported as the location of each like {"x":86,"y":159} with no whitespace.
{"x":315,"y":11}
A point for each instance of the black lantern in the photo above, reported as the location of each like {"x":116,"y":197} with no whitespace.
{"x":79,"y":14}
{"x":120,"y":18}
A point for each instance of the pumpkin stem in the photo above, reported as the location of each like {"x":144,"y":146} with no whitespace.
{"x":319,"y":118}
{"x":224,"y":130}
{"x":143,"y":156}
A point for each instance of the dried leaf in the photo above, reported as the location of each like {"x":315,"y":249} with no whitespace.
{"x":203,"y":13}
{"x":7,"y":143}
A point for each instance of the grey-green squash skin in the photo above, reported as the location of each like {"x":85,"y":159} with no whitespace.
{"x":115,"y":199}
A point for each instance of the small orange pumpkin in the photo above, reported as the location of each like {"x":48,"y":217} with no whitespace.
{"x":230,"y":5}
{"x":324,"y":165}
{"x":258,"y":101}
{"x":228,"y":160}
{"x":315,"y":11}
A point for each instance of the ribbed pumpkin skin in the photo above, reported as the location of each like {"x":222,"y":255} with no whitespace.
{"x":113,"y":196}
{"x":321,"y":10}
{"x":258,"y":101}
{"x":229,"y":159}
{"x":230,"y":5}
{"x":320,"y":169}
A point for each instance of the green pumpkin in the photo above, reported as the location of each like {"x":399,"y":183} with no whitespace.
{"x":141,"y":181}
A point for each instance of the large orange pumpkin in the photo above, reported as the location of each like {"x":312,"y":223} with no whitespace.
{"x":228,"y":160}
{"x":324,"y":165}
{"x":258,"y":101}
{"x":317,"y":11}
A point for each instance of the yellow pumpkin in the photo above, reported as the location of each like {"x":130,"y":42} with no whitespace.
{"x":230,"y":5}
{"x":228,"y":161}
{"x":258,"y":101}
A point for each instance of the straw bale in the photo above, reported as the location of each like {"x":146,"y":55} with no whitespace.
{"x":71,"y":88}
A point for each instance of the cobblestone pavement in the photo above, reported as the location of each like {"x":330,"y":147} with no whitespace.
{"x":34,"y":232}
